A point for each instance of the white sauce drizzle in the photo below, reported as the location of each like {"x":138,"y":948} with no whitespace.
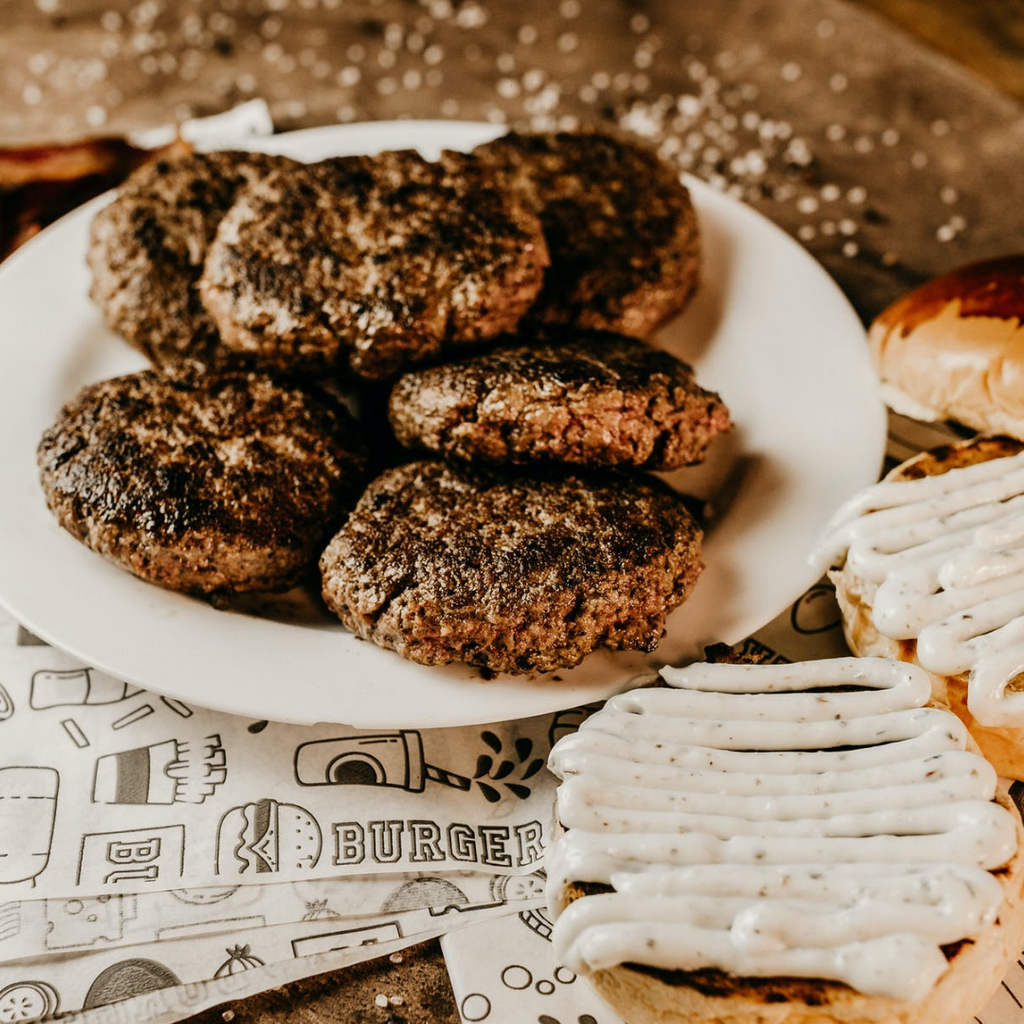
{"x":946,"y":554}
{"x":752,"y":822}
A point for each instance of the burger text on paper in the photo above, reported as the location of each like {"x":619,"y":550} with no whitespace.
{"x":426,"y":842}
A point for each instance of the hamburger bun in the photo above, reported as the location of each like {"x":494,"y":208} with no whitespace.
{"x":953,"y":349}
{"x":976,"y":967}
{"x":594,"y":862}
{"x":1002,"y":746}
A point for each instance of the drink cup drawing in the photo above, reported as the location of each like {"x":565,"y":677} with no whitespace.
{"x":59,"y":688}
{"x":387,"y":759}
{"x":175,"y":771}
{"x":28,"y":805}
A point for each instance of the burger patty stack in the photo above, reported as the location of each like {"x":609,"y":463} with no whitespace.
{"x":794,"y":845}
{"x":487,"y":315}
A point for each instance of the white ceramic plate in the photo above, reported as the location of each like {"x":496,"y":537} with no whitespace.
{"x":769,"y":330}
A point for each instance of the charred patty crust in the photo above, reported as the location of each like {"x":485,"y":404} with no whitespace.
{"x":620,"y":227}
{"x":148,"y":245}
{"x":444,"y":564}
{"x":200,"y":482}
{"x":592,"y":399}
{"x":378,"y":262}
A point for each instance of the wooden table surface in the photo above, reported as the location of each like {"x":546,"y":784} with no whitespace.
{"x":885,"y":135}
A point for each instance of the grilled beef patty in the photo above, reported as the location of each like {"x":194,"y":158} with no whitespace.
{"x":619,"y":225}
{"x":592,"y":399}
{"x":202,"y":482}
{"x":147,"y":249}
{"x":512,"y":574}
{"x":380,"y":262}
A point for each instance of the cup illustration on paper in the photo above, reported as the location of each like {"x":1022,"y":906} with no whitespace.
{"x":266,"y":836}
{"x":396,"y":759}
{"x":172,"y":772}
{"x":28,"y":807}
{"x":389,"y":759}
{"x":76,"y":687}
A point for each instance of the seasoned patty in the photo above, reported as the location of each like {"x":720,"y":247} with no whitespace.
{"x":619,"y":224}
{"x":202,"y":482}
{"x":512,"y":574}
{"x":592,"y":399}
{"x":147,"y":248}
{"x":379,"y":262}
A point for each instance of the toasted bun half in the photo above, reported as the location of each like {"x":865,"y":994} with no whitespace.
{"x":1003,"y":747}
{"x":642,"y":995}
{"x":953,"y":349}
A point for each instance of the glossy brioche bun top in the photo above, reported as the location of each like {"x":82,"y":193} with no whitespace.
{"x":953,"y":349}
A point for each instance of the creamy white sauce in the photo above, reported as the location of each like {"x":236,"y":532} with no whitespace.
{"x":751,"y":822}
{"x":945,"y":557}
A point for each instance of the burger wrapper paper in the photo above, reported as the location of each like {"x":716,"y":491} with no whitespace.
{"x":152,"y":853}
{"x":173,"y":1003}
{"x":33,"y":929}
{"x":107,"y":789}
{"x":156,"y":858}
{"x":504,"y":971}
{"x":92,"y":979}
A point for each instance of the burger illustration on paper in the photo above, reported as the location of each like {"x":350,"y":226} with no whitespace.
{"x":172,"y":772}
{"x":264,"y":837}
